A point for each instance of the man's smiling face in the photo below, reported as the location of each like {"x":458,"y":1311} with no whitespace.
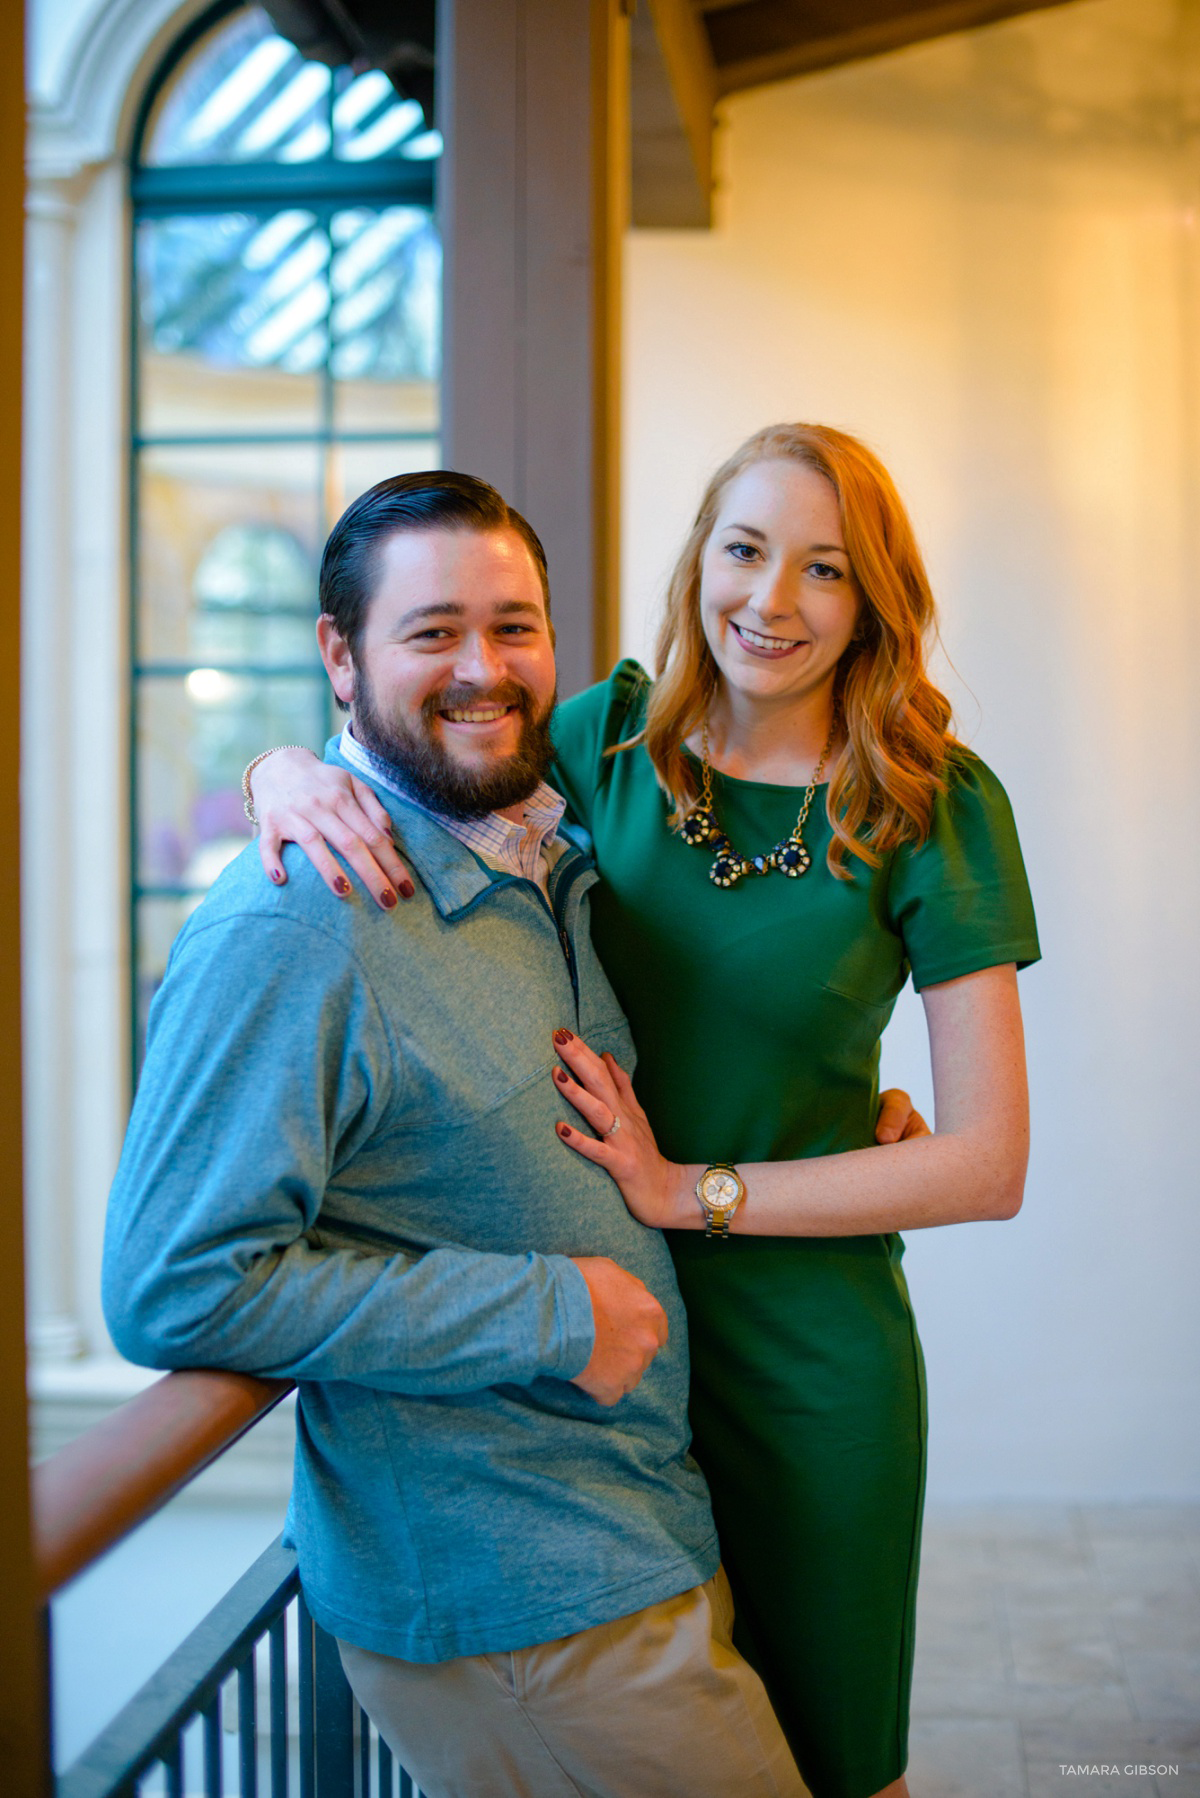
{"x":453,"y":677}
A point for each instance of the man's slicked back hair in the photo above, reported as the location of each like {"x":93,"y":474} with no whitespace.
{"x":437,"y":499}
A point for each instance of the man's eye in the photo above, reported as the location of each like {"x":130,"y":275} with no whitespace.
{"x":432,"y":635}
{"x":516,"y":630}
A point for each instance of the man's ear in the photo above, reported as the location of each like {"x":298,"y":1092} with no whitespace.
{"x":335,"y":653}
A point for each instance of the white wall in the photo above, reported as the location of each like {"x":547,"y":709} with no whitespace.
{"x":981,"y":255}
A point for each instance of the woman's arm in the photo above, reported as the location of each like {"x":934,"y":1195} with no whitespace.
{"x":300,"y":799}
{"x":972,"y":1167}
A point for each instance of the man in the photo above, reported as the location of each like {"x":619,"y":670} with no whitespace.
{"x":341,"y":1167}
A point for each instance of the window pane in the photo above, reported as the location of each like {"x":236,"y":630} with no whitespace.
{"x":385,"y":277}
{"x":194,"y":738}
{"x":233,"y":313}
{"x":228,"y":546}
{"x":159,"y":922}
{"x":354,"y":467}
{"x":242,"y":94}
{"x":371,"y":120}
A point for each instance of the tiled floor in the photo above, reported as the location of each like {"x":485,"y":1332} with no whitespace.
{"x":1054,"y":1637}
{"x":1048,"y":1636}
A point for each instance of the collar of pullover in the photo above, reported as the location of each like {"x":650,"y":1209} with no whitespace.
{"x":453,"y":876}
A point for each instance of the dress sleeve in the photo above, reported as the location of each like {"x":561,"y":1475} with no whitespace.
{"x":588,"y":724}
{"x":961,"y":900}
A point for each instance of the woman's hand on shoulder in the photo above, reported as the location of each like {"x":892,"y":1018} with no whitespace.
{"x":624,"y":1146}
{"x":299,"y":799}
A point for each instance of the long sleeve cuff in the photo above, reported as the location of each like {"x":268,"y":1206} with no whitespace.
{"x":576,"y":1322}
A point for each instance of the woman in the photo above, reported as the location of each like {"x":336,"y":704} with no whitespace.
{"x":757,"y":936}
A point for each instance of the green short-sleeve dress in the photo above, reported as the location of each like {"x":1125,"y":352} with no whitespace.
{"x":757,"y":1012}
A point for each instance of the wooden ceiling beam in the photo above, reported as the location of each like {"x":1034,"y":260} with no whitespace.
{"x":673,"y":90}
{"x":759,"y":41}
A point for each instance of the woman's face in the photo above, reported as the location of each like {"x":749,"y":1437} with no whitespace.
{"x":777,"y":599}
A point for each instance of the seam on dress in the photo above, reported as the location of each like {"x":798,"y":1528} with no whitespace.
{"x":908,"y":1636}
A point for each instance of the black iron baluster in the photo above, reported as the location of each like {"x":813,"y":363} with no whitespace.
{"x":247,"y":1728}
{"x":279,"y":1708}
{"x":406,"y":1784}
{"x":385,"y":1770}
{"x":214,"y":1782}
{"x":307,"y":1720}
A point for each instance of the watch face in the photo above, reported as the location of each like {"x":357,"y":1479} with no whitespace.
{"x":719,"y":1190}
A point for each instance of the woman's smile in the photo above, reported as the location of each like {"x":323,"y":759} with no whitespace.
{"x":760,"y":645}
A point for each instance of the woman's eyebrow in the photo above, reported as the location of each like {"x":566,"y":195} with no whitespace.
{"x":747,"y":530}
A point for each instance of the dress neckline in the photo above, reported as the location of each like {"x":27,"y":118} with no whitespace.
{"x":764,"y":786}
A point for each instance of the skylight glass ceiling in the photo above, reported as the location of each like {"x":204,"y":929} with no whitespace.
{"x":247,"y":95}
{"x":360,"y":286}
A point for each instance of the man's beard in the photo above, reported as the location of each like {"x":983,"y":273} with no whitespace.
{"x":429,"y":770}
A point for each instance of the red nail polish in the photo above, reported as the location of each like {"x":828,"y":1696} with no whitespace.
{"x":407,"y":889}
{"x":564,"y":1036}
{"x":341,"y":886}
{"x":388,"y":898}
{"x":560,"y":1076}
{"x":564,"y":1130}
{"x":277,"y":875}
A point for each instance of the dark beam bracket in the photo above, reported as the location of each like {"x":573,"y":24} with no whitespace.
{"x":367,"y":34}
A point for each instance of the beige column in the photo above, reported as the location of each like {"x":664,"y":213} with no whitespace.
{"x":533,"y":195}
{"x":46,"y":849}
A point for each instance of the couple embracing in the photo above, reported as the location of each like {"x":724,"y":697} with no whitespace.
{"x":552,"y":1315}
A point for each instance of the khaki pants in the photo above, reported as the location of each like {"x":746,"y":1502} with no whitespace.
{"x":655,"y":1705}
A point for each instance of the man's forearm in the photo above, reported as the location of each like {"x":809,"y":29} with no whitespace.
{"x":452,"y":1320}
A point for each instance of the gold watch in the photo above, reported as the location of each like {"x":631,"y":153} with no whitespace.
{"x":720,"y":1190}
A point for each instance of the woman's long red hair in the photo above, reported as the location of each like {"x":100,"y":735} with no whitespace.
{"x":896,"y":722}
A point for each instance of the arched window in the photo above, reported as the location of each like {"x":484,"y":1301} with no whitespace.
{"x":287,"y":297}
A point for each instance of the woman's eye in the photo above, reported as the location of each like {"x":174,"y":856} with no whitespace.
{"x":741,"y":552}
{"x":825,"y":571}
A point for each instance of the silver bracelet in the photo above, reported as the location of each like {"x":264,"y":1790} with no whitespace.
{"x":247,"y":795}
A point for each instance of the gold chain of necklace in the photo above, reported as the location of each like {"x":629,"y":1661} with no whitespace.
{"x":702,"y":826}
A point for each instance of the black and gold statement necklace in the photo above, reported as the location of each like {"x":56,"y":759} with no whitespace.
{"x":701,"y":826}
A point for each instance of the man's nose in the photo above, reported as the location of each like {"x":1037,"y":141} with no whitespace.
{"x":479,"y":663}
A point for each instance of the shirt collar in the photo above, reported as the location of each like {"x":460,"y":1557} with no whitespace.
{"x":491,"y":833}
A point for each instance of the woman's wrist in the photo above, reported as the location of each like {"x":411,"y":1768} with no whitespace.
{"x":686,"y":1212}
{"x":249,"y":770}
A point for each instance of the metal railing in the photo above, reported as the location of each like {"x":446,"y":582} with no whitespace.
{"x":309,"y":1739}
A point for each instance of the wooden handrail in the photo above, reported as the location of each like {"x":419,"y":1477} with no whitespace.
{"x":89,"y":1495}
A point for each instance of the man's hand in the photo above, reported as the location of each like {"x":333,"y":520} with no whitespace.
{"x":898,"y":1120}
{"x":631,"y":1327}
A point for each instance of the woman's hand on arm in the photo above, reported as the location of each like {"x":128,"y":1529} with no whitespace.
{"x":299,"y":799}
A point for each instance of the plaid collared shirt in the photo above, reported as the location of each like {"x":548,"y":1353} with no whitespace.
{"x":528,"y":851}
